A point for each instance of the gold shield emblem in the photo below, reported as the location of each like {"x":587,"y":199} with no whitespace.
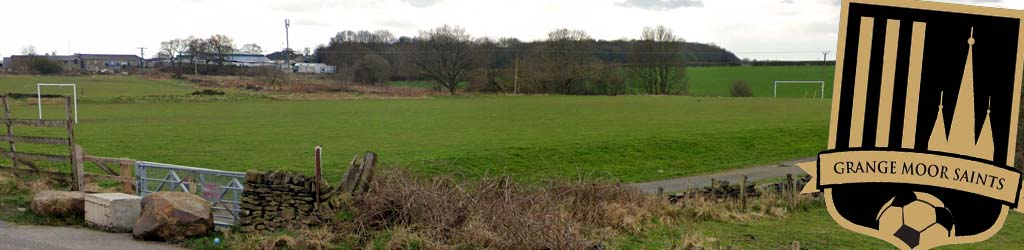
{"x":924,"y":122}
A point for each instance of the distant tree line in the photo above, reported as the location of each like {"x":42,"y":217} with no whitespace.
{"x":567,"y":61}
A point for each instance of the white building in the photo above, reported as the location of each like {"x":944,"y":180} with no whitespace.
{"x":315,"y":68}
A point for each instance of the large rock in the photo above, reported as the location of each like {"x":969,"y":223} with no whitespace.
{"x":173,"y":216}
{"x":58,"y":203}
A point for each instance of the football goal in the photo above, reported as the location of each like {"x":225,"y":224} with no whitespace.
{"x":775,"y":86}
{"x":39,"y":96}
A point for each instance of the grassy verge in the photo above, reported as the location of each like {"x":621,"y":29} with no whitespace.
{"x":16,"y":194}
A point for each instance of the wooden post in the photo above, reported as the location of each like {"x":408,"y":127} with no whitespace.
{"x":10,"y":131}
{"x":126,"y":177}
{"x":366,"y":172}
{"x":77,"y":161}
{"x":316,"y":154}
{"x":796,"y":245}
{"x":743,"y":193}
{"x":790,"y":189}
{"x":77,"y":168}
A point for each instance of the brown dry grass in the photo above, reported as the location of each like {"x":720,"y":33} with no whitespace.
{"x":310,"y":87}
{"x":11,"y":184}
{"x":404,"y":211}
{"x":497,"y":213}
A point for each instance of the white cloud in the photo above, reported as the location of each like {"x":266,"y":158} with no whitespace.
{"x":748,"y":27}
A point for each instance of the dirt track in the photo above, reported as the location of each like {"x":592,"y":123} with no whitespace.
{"x":754,"y":173}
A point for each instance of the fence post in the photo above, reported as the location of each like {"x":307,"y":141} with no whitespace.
{"x":743,"y":193}
{"x":126,"y":177}
{"x":791,"y":189}
{"x":796,"y":245}
{"x":77,"y":168}
{"x":10,"y":132}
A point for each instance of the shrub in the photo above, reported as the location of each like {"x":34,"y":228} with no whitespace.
{"x":608,"y":82}
{"x":372,"y":69}
{"x":740,"y":88}
{"x":208,"y":92}
{"x":271,"y":76}
{"x":44,"y":66}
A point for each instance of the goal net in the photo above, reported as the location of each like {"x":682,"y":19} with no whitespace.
{"x":805,"y":89}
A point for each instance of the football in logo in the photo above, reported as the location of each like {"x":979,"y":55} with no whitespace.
{"x":915,"y":216}
{"x":923,"y":127}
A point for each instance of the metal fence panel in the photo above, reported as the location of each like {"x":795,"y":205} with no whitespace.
{"x":222,"y":188}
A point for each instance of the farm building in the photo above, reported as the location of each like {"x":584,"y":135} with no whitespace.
{"x":244,"y":60}
{"x":22,"y":62}
{"x":315,"y":68}
{"x":97,"y":62}
{"x":249,"y":60}
{"x":78,"y":62}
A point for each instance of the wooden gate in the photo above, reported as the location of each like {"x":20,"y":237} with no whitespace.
{"x":76,"y":158}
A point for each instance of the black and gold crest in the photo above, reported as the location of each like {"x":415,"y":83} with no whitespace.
{"x":924,"y":122}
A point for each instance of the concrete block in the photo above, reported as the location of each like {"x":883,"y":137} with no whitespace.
{"x":115,"y":212}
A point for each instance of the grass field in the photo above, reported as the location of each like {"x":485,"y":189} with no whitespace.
{"x":532,"y":138}
{"x":812,"y":227}
{"x":95,"y":88}
{"x":632,"y":138}
{"x":715,"y":81}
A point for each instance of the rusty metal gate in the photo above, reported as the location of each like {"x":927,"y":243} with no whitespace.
{"x":222,"y":188}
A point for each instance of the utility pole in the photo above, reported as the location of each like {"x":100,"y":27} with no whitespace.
{"x":142,"y":51}
{"x":287,"y":45}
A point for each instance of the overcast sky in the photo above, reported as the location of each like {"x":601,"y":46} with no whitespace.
{"x":758,"y":29}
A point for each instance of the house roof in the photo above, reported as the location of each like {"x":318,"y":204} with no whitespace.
{"x":109,"y":57}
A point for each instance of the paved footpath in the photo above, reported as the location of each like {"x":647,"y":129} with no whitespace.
{"x":18,"y":237}
{"x":754,"y":173}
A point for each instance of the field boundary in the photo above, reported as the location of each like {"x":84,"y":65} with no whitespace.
{"x":75,"y":157}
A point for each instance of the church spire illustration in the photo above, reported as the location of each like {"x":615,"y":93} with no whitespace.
{"x":961,"y":137}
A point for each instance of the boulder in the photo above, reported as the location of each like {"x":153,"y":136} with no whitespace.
{"x":58,"y":203}
{"x":173,"y":216}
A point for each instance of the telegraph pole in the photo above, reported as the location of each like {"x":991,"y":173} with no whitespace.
{"x":287,"y":45}
{"x":142,"y":51}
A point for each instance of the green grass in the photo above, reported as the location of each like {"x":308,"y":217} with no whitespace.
{"x":96,"y":88}
{"x":716,"y":81}
{"x":814,"y":228}
{"x":632,"y":138}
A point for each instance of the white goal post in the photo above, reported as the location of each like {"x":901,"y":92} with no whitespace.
{"x":39,"y":96}
{"x":775,"y":87}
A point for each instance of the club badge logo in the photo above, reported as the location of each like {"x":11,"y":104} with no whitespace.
{"x":924,"y":122}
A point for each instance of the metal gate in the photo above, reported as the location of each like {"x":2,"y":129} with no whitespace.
{"x":222,"y":188}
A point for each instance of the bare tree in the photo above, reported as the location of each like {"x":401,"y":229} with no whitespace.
{"x":658,"y":59}
{"x":198,"y":49}
{"x":567,"y":59}
{"x":494,"y":57}
{"x":220,"y":48}
{"x":443,"y":54}
{"x":29,"y":50}
{"x":252,"y":48}
{"x":173,"y":49}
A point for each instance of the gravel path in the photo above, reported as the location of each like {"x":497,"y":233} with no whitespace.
{"x":17,"y":237}
{"x":754,"y":173}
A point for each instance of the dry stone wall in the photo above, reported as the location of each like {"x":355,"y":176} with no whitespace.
{"x":279,"y":200}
